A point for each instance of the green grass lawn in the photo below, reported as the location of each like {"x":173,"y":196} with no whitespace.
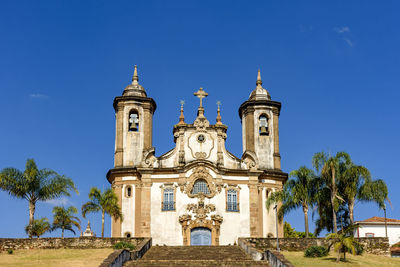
{"x":298,"y":260}
{"x":55,"y":257}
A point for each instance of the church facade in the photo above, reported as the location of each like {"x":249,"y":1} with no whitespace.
{"x":198,"y":193}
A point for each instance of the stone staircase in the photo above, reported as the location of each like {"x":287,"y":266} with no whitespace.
{"x":195,"y":256}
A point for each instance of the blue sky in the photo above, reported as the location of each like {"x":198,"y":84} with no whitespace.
{"x":334,"y":66}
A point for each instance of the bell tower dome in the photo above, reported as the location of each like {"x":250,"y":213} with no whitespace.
{"x":134,"y":124}
{"x":260,"y":128}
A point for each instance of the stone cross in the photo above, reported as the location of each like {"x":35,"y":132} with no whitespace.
{"x":201,"y":94}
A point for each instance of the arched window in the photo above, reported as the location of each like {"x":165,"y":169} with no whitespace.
{"x":127,"y":234}
{"x":133,"y":121}
{"x":263,"y":128}
{"x":168,"y":199}
{"x":128,"y":191}
{"x":200,"y":186}
{"x":232,"y":200}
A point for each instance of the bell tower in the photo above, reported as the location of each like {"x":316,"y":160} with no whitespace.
{"x":134,"y":124}
{"x":260,"y":128}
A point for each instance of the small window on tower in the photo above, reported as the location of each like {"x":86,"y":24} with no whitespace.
{"x":128,"y":191}
{"x":133,"y":121}
{"x":263,"y":129}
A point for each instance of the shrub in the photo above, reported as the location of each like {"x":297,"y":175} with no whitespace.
{"x":359,"y":249}
{"x":316,"y":251}
{"x":122,"y":245}
{"x":10,"y":251}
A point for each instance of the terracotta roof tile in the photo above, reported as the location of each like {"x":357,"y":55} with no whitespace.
{"x":380,"y":219}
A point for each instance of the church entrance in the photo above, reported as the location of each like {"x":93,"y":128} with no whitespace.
{"x":200,"y":236}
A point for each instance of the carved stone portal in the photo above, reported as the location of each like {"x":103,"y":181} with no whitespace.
{"x":202,"y":218}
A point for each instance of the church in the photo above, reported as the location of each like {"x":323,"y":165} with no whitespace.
{"x":198,"y":193}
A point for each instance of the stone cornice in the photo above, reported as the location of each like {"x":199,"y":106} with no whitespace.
{"x":133,"y":171}
{"x":252,"y":103}
{"x":140,"y":99}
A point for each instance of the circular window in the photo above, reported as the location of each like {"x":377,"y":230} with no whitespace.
{"x":201,"y":138}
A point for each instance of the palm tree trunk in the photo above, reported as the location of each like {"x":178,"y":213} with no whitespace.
{"x":62,"y":232}
{"x":338,"y":255}
{"x":305,"y":210}
{"x":333,"y":195}
{"x":102,"y":223}
{"x":32,"y":207}
{"x":351,"y":212}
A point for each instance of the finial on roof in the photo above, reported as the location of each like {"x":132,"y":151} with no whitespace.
{"x":259,"y":81}
{"x":218,"y":114}
{"x":135,"y":78}
{"x":134,"y":89}
{"x":259,"y":93}
{"x":181,"y":117}
{"x":201,"y":94}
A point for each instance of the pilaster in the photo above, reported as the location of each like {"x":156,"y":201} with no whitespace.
{"x":253,"y":203}
{"x":119,"y":148}
{"x":249,"y":129}
{"x":116,"y":223}
{"x":145,"y":215}
{"x":277,"y":156}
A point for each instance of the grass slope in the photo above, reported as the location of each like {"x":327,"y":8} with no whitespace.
{"x":55,"y":257}
{"x":298,"y":260}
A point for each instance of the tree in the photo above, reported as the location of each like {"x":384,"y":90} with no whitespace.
{"x":330,"y":167}
{"x":38,"y":227}
{"x":106,"y":202}
{"x":35,"y":185}
{"x":297,"y":192}
{"x":64,"y":219}
{"x":343,"y":241}
{"x":289,"y":232}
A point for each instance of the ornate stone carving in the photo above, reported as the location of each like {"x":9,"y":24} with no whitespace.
{"x":250,"y":159}
{"x":200,"y":150}
{"x":200,"y":155}
{"x":201,"y":123}
{"x":148,"y":157}
{"x":202,"y":218}
{"x":200,"y":173}
{"x":181,"y":157}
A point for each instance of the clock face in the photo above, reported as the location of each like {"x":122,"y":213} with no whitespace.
{"x":201,"y":138}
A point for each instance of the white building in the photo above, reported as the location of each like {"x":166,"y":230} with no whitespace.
{"x":375,"y":227}
{"x":198,"y":193}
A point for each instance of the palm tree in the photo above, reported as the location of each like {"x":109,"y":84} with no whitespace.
{"x":297,"y":192}
{"x":330,"y":167}
{"x":106,"y":202}
{"x":35,"y":185}
{"x":38,"y":227}
{"x":354,"y":183}
{"x":343,"y":241}
{"x":64,"y":219}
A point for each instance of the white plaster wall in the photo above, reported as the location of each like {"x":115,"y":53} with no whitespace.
{"x":128,"y":210}
{"x":165,"y":226}
{"x":269,"y":220}
{"x":379,"y":231}
{"x":235,"y":224}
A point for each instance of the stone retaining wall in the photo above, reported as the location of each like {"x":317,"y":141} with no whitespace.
{"x":119,"y":257}
{"x":276,"y":259}
{"x":373,"y":245}
{"x":55,"y":242}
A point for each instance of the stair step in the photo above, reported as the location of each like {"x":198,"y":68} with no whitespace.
{"x":191,"y":263}
{"x":195,"y":253}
